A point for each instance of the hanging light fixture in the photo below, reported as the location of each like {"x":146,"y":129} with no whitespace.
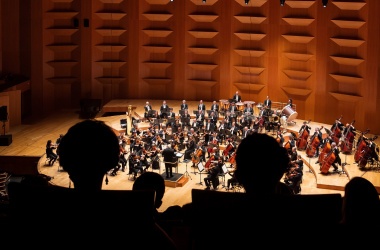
{"x":324,"y":3}
{"x":204,"y":1}
{"x":282,"y":2}
{"x":246,"y":2}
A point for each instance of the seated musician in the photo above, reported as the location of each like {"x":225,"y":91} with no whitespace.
{"x":184,"y":105}
{"x":234,"y":129}
{"x":256,"y":125}
{"x":185,"y":119}
{"x":210,"y":126}
{"x":213,"y":117}
{"x":293,"y":178}
{"x":199,"y":119}
{"x":231,"y":182}
{"x":134,"y":165}
{"x":280,"y":138}
{"x":122,"y":162}
{"x":373,"y":154}
{"x":190,"y":148}
{"x":246,"y":131}
{"x":215,"y":107}
{"x":164,"y":109}
{"x":212,"y":177}
{"x":248,"y":110}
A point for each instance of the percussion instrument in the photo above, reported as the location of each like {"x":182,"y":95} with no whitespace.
{"x":283,"y":120}
{"x":289,"y":113}
{"x":260,"y":105}
{"x":222,"y":101}
{"x":240,"y":106}
{"x":226,"y":105}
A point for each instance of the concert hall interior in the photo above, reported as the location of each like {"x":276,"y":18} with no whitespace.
{"x":271,"y":68}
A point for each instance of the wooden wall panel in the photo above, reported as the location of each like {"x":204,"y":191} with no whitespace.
{"x":325,"y":59}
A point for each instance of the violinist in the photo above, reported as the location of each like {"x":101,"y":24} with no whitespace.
{"x":134,"y":165}
{"x":234,"y":130}
{"x":212,"y":177}
{"x":135,"y":129}
{"x":231,"y":182}
{"x":122,"y":162}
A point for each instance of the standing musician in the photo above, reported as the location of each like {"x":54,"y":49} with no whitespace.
{"x":236,"y":97}
{"x":215,"y":107}
{"x":212,"y":177}
{"x":147,"y":108}
{"x":291,"y":142}
{"x":323,"y":143}
{"x":305,"y":126}
{"x":169,"y":159}
{"x":373,"y":154}
{"x":335,"y":151}
{"x":50,"y":147}
{"x":290,"y":103}
{"x":318,"y":134}
{"x":164,"y":109}
{"x":337,"y":126}
{"x":267,"y":103}
{"x":184,"y":105}
{"x":201,"y":106}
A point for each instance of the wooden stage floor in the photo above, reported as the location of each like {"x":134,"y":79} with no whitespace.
{"x":331,"y":181}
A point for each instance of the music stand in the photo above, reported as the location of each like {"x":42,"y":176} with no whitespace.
{"x":200,"y":169}
{"x":195,"y":112}
{"x":208,"y":112}
{"x":343,"y":165}
{"x":151,"y":113}
{"x":181,"y":112}
{"x":187,"y":173}
{"x":223,"y":175}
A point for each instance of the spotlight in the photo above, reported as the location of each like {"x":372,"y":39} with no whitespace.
{"x":171,"y":0}
{"x":282,"y":2}
{"x":203,"y":1}
{"x":246,"y":1}
{"x":324,"y":2}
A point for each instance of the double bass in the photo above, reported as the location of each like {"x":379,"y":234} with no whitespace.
{"x":209,"y":162}
{"x":348,"y":139}
{"x":326,"y":149}
{"x":312,"y":145}
{"x":360,"y":145}
{"x":302,"y":138}
{"x":336,"y":133}
{"x":329,"y":159}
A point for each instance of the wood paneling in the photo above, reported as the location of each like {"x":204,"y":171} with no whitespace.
{"x":158,"y":49}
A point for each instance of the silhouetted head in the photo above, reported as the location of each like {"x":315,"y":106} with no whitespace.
{"x":87,"y":152}
{"x":360,"y":202}
{"x":260,"y":163}
{"x":151,"y":180}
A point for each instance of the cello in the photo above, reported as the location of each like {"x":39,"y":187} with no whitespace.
{"x":314,"y":141}
{"x":348,"y":139}
{"x":196,"y":156}
{"x":302,"y":138}
{"x":330,"y":158}
{"x":209,"y":161}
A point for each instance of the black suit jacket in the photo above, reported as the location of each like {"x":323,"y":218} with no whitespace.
{"x":184,"y":106}
{"x":201,"y":107}
{"x":168,"y":154}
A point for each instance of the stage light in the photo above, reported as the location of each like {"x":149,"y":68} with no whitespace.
{"x":171,"y":0}
{"x":204,"y":1}
{"x":324,"y":2}
{"x":282,"y":2}
{"x":246,"y":1}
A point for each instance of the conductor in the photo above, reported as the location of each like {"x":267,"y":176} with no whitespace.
{"x":169,"y":159}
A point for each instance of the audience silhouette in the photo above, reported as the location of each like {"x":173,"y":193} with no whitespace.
{"x":88,"y":151}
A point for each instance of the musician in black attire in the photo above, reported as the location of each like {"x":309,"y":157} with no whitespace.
{"x":318,"y":133}
{"x":164,"y":109}
{"x":201,"y":106}
{"x":214,"y":106}
{"x":267,"y":103}
{"x":50,"y":152}
{"x":212,"y":177}
{"x":335,"y":150}
{"x":190,"y":147}
{"x":147,"y":108}
{"x":236,"y":97}
{"x":170,"y":159}
{"x":184,"y":105}
{"x":305,"y":126}
{"x":338,"y":124}
{"x":185,"y":119}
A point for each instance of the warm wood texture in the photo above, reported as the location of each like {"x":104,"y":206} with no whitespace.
{"x":30,"y":140}
{"x":320,"y":57}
